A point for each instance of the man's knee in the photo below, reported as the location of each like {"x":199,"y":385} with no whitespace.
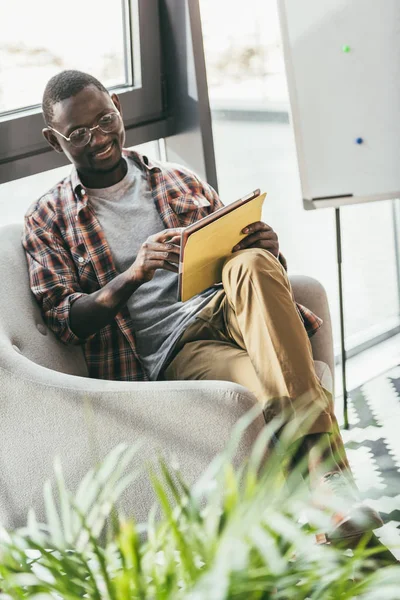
{"x":252,"y":260}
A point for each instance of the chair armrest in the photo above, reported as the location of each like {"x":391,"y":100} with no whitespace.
{"x":311,"y":293}
{"x":82,"y":419}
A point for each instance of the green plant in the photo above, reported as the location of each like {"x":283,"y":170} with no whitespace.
{"x":234,"y":535}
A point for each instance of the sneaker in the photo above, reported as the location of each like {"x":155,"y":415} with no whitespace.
{"x":351,"y":518}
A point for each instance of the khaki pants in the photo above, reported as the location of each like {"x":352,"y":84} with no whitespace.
{"x":251,"y":333}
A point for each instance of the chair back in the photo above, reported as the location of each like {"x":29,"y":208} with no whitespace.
{"x":23,"y":334}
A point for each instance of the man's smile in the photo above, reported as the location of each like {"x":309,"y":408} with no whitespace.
{"x":104,"y":152}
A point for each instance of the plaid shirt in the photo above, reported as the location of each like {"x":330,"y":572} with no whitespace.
{"x":68,"y":256}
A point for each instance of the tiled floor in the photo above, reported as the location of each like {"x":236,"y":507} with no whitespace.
{"x":366,"y":366}
{"x":372,"y":441}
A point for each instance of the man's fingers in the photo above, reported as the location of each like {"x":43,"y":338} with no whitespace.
{"x":170,"y":267}
{"x":173,"y":258}
{"x":157,"y":247}
{"x":157,"y":256}
{"x":259,"y":237}
{"x":175,"y":240}
{"x":163,"y":264}
{"x":173,"y":248}
{"x":167,"y":234}
{"x":257,"y":226}
{"x":263,"y":244}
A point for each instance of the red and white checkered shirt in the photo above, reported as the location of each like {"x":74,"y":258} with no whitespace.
{"x":68,"y":256}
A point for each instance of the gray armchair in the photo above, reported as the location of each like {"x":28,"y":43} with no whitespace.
{"x":49,"y":406}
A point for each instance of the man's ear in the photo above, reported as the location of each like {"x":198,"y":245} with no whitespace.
{"x":117,"y":103}
{"x":51,"y":139}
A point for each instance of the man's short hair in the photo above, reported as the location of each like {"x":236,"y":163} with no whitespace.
{"x":63,"y":86}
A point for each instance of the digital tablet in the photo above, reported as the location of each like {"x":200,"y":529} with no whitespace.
{"x":206,"y":244}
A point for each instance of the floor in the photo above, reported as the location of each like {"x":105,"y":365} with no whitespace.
{"x":366,"y":366}
{"x":374,"y":451}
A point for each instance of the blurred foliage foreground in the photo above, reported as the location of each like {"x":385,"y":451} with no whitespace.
{"x":242,"y":533}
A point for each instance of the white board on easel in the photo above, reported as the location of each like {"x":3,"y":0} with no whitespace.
{"x":343,"y":68}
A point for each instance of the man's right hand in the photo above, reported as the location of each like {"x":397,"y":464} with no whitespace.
{"x":159,"y":251}
{"x":91,"y":312}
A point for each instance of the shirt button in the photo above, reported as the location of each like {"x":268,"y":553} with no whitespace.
{"x":76,"y":217}
{"x":196,"y":202}
{"x":83,"y":192}
{"x":81,"y":259}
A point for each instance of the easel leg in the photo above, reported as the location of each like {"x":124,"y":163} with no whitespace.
{"x":342,"y":342}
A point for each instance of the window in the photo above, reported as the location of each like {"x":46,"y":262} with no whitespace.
{"x":29,"y":56}
{"x":109,"y":40}
{"x":254,"y":147}
{"x":245,"y":66}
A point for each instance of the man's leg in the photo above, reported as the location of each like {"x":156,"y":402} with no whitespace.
{"x":213,"y":359}
{"x":257,"y":314}
{"x":261,"y":316}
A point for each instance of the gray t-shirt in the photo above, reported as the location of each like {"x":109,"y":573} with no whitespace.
{"x":128,"y":216}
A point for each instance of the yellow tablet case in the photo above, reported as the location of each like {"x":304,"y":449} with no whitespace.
{"x":206,"y":249}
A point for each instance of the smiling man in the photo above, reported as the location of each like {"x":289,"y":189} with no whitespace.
{"x":103,"y":251}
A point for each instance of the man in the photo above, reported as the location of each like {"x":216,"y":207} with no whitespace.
{"x":103,"y":251}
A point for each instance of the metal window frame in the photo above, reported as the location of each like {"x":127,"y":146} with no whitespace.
{"x":24,"y":151}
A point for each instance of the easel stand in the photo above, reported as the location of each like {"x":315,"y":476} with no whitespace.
{"x":342,"y":338}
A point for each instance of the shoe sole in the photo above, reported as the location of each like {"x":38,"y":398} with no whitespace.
{"x":383,"y":557}
{"x":363,"y":520}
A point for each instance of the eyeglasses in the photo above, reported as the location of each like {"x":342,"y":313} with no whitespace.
{"x":82,"y":135}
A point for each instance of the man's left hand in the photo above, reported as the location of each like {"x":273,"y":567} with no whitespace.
{"x":260,"y":235}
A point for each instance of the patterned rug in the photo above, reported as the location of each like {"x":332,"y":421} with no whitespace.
{"x":373,"y":449}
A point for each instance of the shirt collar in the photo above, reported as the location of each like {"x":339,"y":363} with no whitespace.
{"x":142,"y":161}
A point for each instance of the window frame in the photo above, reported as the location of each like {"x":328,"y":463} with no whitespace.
{"x":24,"y":151}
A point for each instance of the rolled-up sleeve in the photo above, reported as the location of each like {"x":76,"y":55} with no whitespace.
{"x":53,"y":278}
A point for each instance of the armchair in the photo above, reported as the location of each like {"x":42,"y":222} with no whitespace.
{"x":49,"y":406}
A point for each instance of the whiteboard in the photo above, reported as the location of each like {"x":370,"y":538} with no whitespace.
{"x":342,"y":62}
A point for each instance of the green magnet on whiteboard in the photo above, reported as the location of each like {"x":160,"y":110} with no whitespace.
{"x":346,"y":49}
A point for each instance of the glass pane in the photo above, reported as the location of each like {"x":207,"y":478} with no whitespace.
{"x":38,"y":41}
{"x":149,"y":149}
{"x":254,"y":147}
{"x":245,"y":66}
{"x":371,"y":299}
{"x":17,"y":196}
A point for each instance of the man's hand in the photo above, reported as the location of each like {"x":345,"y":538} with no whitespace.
{"x":92,"y":312}
{"x":260,"y":235}
{"x":159,"y":251}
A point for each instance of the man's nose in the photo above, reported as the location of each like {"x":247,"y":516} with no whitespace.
{"x":97,"y":137}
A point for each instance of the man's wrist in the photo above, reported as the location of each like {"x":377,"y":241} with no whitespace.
{"x":133,"y":278}
{"x":126,"y":284}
